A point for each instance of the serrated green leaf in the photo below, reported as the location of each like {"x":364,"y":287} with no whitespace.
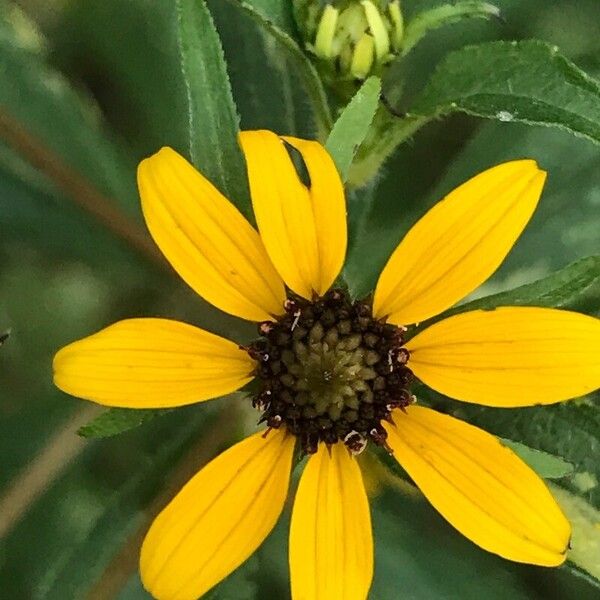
{"x":214,"y":147}
{"x":279,"y":12}
{"x":558,"y":290}
{"x":544,"y":464}
{"x":352,"y":125}
{"x":527,"y":81}
{"x":298,"y":60}
{"x":446,"y":14}
{"x":253,"y":57}
{"x":118,"y":420}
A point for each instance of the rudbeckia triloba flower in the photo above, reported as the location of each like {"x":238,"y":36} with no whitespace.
{"x":333,"y":374}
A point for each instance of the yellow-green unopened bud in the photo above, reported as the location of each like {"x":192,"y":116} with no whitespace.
{"x":362,"y":59}
{"x":378,"y":29}
{"x":351,"y":38}
{"x":398,"y":24}
{"x":325,"y":32}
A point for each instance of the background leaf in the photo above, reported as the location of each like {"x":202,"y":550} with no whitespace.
{"x":254,"y":56}
{"x":496,"y":80}
{"x":444,"y":14}
{"x":293,"y":54}
{"x":565,"y":288}
{"x":33,"y":208}
{"x":30,"y":90}
{"x":106,"y":529}
{"x":352,"y":125}
{"x":526,"y":81}
{"x":544,"y":464}
{"x":117,"y":420}
{"x":557,"y":234}
{"x":213,"y":118}
{"x":278,"y":12}
{"x":127,"y":55}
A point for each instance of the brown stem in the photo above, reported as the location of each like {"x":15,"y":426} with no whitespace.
{"x":77,"y":188}
{"x":47,"y":466}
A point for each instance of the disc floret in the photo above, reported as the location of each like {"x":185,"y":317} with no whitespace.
{"x":328,"y":371}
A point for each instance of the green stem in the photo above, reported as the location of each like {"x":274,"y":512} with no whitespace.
{"x":386,"y":133}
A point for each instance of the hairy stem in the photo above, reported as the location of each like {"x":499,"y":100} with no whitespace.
{"x":386,"y":134}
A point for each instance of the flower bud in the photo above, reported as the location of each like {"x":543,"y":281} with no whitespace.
{"x":351,"y":39}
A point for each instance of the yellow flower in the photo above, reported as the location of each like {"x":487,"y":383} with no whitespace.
{"x":334,"y":373}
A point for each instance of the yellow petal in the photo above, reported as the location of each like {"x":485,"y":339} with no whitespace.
{"x":458,"y":244}
{"x":151,"y":363}
{"x":329,"y":209}
{"x":511,"y":356}
{"x":304,"y":230}
{"x":481,"y":487}
{"x":207,"y":240}
{"x":331,"y":544}
{"x":219,"y":518}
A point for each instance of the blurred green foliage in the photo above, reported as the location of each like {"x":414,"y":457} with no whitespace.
{"x":99,"y":83}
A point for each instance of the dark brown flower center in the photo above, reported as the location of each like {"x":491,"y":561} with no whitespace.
{"x":328,"y":371}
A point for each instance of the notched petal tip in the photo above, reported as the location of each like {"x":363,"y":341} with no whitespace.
{"x":304,"y":229}
{"x":165,"y":153}
{"x":459,"y":243}
{"x":481,"y":487}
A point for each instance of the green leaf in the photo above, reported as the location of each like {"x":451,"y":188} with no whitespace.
{"x":526,"y":81}
{"x":127,"y":52}
{"x":446,"y":14}
{"x":544,"y":464}
{"x":213,"y":118}
{"x":32,"y":208}
{"x":352,"y":125}
{"x":31,"y":90}
{"x":287,"y":47}
{"x":559,"y":289}
{"x":32,"y":212}
{"x":279,"y":12}
{"x":117,"y":420}
{"x":253,"y":57}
